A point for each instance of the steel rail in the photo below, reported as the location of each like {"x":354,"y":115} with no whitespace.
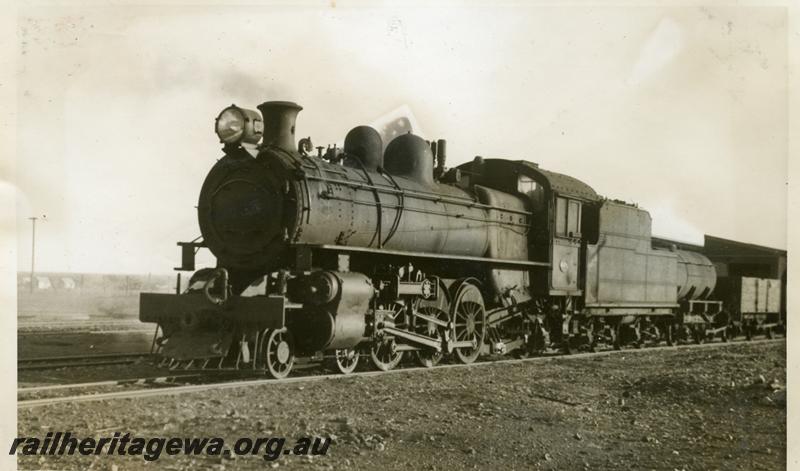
{"x":259,"y":382}
{"x":71,"y":322}
{"x":81,"y":331}
{"x":156,"y":380}
{"x":113,"y":382}
{"x":82,"y":357}
{"x":48,"y":363}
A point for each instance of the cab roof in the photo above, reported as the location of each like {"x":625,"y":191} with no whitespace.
{"x":560,"y":183}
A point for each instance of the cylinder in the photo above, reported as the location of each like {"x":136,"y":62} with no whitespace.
{"x":320,"y":288}
{"x":340,"y":322}
{"x":351,"y":310}
{"x":696,"y":275}
{"x":279,"y":122}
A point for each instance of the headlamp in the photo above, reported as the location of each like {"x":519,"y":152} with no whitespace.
{"x":235,"y":125}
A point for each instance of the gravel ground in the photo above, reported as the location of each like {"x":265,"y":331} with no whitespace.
{"x":710,"y":408}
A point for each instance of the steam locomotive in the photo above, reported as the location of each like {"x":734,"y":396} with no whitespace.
{"x":363,"y":252}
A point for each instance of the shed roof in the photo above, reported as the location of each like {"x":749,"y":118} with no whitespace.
{"x":720,"y":246}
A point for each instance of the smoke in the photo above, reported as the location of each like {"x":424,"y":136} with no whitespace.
{"x":661,"y":46}
{"x":671,"y":223}
{"x":116,"y":108}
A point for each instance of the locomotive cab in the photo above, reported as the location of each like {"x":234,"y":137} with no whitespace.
{"x":558,"y":204}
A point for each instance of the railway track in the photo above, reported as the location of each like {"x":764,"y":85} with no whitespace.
{"x":79,"y":325}
{"x":164,"y":387}
{"x":72,"y":361}
{"x":110,"y":383}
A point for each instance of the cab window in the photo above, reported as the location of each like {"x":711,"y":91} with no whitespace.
{"x":561,"y":217}
{"x":526,"y":185}
{"x":535,"y":193}
{"x":568,"y":217}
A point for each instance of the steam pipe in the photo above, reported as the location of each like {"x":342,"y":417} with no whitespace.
{"x":441,"y":154}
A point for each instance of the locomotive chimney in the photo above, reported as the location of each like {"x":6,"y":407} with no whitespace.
{"x":279,"y":121}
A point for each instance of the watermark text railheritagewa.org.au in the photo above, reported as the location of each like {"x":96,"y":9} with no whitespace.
{"x":151,"y":449}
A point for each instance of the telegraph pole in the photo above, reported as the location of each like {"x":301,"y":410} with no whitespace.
{"x":33,"y":250}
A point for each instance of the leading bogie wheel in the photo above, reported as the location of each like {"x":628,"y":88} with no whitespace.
{"x":277,"y":347}
{"x":469,"y":322}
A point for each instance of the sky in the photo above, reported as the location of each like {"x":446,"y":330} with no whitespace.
{"x":682,"y":110}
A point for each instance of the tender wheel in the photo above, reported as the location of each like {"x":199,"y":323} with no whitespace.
{"x":653,"y":336}
{"x":636,"y":332}
{"x":469,"y":322}
{"x":668,"y":335}
{"x":722,"y":320}
{"x":699,"y":333}
{"x":734,"y":331}
{"x":590,"y":343}
{"x":430,"y":358}
{"x":616,"y":336}
{"x":345,"y":360}
{"x":278,"y":352}
{"x":538,"y":340}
